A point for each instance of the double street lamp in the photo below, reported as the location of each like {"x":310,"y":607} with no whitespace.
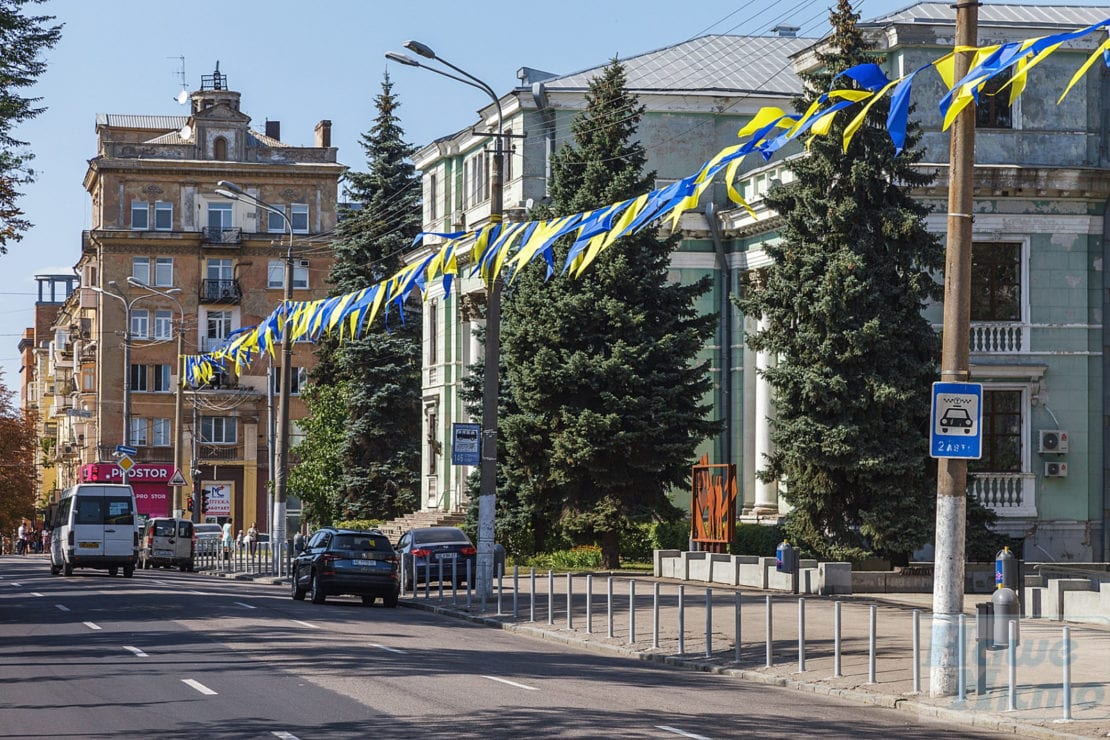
{"x":487,"y":500}
{"x":179,"y":391}
{"x":280,"y":472}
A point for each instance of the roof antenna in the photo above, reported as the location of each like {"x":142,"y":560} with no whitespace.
{"x":183,"y":96}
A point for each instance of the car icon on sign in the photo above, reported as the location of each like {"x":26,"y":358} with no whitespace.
{"x":956,"y":418}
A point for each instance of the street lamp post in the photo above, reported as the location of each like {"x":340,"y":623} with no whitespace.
{"x":487,"y":498}
{"x":179,"y":391}
{"x":280,"y":472}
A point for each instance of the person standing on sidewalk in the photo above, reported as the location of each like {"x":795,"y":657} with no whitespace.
{"x":228,"y":538}
{"x":252,"y":538}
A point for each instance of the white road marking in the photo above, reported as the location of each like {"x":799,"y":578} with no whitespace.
{"x":511,"y":683}
{"x":675,"y":730}
{"x":383,"y":647}
{"x":62,"y":607}
{"x":284,"y":735}
{"x":198,"y":686}
{"x":35,"y":593}
{"x":306,"y":624}
{"x":91,"y":625}
{"x":245,"y":606}
{"x":13,"y":583}
{"x":138,"y":653}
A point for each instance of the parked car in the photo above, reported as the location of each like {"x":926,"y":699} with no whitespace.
{"x":346,"y":561}
{"x":208,"y":538}
{"x":426,"y":547}
{"x":166,"y":542}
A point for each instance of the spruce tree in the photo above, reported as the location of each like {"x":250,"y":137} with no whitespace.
{"x":855,"y":356}
{"x":22,"y":39}
{"x":378,"y":374}
{"x":607,"y":391}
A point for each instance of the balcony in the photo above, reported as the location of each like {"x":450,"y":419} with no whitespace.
{"x":1007,"y":494}
{"x":220,"y":453}
{"x":217,"y":236}
{"x":146,"y":453}
{"x":220,"y":291}
{"x":1002,"y":337}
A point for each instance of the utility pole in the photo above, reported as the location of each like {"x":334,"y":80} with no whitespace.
{"x":948,"y":573}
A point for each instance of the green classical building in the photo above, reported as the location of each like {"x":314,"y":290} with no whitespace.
{"x":1038,"y":296}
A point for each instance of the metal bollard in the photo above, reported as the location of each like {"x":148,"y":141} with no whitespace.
{"x":570,"y":603}
{"x":532,"y":594}
{"x":550,"y":597}
{"x":631,"y":611}
{"x":681,"y":619}
{"x":801,"y":635}
{"x":454,"y":581}
{"x":427,"y":578}
{"x":655,"y":616}
{"x":1012,"y":659}
{"x":609,"y":599}
{"x":770,"y":627}
{"x":737,"y":645}
{"x":1065,"y":661}
{"x":516,"y":589}
{"x":961,"y":660}
{"x":871,"y":647}
{"x":836,"y":640}
{"x":500,"y":576}
{"x":708,"y":623}
{"x":917,"y":651}
{"x":441,"y":580}
{"x":589,"y":603}
{"x":414,"y":574}
{"x":469,"y":580}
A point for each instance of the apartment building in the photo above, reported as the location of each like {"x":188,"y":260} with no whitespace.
{"x":168,"y":262}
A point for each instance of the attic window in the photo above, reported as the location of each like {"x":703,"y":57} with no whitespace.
{"x":219,"y":148}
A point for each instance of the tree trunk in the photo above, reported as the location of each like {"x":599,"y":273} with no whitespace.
{"x":610,"y":551}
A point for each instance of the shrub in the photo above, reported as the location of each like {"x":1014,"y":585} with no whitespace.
{"x":757,"y":539}
{"x":670,"y":535}
{"x":358,"y":523}
{"x":583,"y":557}
{"x":636,"y":542}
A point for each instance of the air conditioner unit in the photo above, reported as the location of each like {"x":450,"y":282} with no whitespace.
{"x":302,"y":263}
{"x":1054,"y":441}
{"x":1055,"y":470}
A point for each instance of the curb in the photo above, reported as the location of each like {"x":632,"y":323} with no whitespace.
{"x":982,"y":720}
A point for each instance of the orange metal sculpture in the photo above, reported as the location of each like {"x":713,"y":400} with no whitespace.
{"x":713,"y":506}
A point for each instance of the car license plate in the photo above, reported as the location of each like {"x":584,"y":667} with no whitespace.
{"x":446,"y":555}
{"x":91,"y":545}
{"x":163,"y":553}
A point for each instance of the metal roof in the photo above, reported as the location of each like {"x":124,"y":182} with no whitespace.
{"x":714,"y":63}
{"x":157,"y":123}
{"x":990,"y":14}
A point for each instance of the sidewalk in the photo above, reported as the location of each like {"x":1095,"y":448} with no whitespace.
{"x":541,"y":611}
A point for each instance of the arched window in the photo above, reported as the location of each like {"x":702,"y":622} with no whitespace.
{"x":219,"y":148}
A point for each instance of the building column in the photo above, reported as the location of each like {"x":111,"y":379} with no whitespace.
{"x":766,"y":494}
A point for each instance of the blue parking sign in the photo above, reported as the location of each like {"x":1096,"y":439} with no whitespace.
{"x":956,"y":421}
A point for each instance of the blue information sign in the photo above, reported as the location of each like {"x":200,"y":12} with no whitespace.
{"x":956,"y":421}
{"x":466,"y":444}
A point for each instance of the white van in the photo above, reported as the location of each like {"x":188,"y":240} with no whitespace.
{"x":94,"y":527}
{"x":166,"y":542}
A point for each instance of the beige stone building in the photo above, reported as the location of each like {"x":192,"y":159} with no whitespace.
{"x":212,"y":266}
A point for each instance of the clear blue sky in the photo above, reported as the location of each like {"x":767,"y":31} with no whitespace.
{"x":300,"y":62}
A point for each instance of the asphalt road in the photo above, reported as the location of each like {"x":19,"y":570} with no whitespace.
{"x":175,"y":655}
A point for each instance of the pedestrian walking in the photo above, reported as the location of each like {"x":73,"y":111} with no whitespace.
{"x":252,"y":538}
{"x":21,"y":539}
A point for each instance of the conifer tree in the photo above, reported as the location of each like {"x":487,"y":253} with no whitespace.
{"x":22,"y":39}
{"x":855,"y":357}
{"x":607,"y":390}
{"x":377,"y":376}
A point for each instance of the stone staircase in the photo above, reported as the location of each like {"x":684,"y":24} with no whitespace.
{"x":395,"y":528}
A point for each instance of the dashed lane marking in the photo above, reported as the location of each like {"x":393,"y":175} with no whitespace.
{"x":511,"y":683}
{"x":198,"y":686}
{"x":683,"y":733}
{"x":91,"y":625}
{"x":62,"y":607}
{"x":306,"y":624}
{"x":245,"y":606}
{"x":284,"y":735}
{"x":389,"y":649}
{"x":138,"y":653}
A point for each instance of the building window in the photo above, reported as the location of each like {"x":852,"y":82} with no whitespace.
{"x":1001,"y":433}
{"x":163,"y":216}
{"x":433,"y":197}
{"x":219,"y":326}
{"x":993,"y":109}
{"x":219,"y":148}
{"x":161,"y":378}
{"x":140,"y":215}
{"x":88,"y":379}
{"x":275,"y":223}
{"x":163,"y":272}
{"x":476,"y":179}
{"x":298,"y":216}
{"x":163,"y":324}
{"x":140,"y":325}
{"x":299,"y":375}
{"x":140,"y":269}
{"x":137,"y":429}
{"x":275,"y":274}
{"x":433,"y":331}
{"x":995,"y":282}
{"x":160,"y":432}
{"x":219,"y":216}
{"x":219,"y":269}
{"x":138,"y":378}
{"x":219,"y":430}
